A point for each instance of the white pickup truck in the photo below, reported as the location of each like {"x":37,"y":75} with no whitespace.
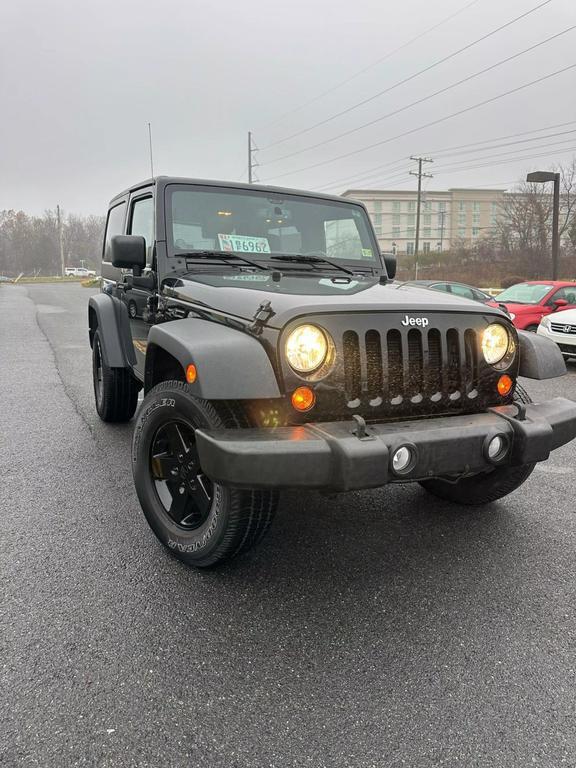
{"x":79,"y":272}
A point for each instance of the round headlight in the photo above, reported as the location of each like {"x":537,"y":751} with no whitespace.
{"x":306,"y":348}
{"x":495,"y":343}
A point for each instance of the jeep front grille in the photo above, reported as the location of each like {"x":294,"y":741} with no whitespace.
{"x":415,"y":365}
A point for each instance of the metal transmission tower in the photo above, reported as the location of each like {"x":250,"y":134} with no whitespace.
{"x":252,"y":163}
{"x":419,"y":173}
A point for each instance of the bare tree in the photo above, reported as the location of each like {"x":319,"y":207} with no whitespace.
{"x":30,"y":244}
{"x":524,"y":225}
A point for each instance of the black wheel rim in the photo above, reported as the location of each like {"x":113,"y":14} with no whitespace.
{"x":98,"y":370}
{"x":183,"y":490}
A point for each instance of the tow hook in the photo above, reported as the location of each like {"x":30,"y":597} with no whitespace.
{"x":360,"y":428}
{"x":521,"y":415}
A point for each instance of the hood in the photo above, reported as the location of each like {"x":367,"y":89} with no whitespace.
{"x":240,"y":294}
{"x":567,"y":316}
{"x":517,"y":309}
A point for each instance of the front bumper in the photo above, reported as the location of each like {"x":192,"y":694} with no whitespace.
{"x":332,"y":455}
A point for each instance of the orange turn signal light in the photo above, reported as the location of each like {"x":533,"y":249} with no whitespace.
{"x":505,"y":384}
{"x":191,"y":373}
{"x":303,"y":398}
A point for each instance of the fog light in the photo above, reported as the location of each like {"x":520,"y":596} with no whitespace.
{"x":505,"y":384}
{"x":303,"y":398}
{"x":402,"y":459}
{"x":497,"y":447}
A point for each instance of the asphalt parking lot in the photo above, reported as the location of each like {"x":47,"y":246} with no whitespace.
{"x":382,"y":628}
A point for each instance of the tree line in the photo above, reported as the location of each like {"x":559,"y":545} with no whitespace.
{"x":517,"y":247}
{"x":30,"y":245}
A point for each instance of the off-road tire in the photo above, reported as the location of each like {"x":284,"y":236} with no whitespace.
{"x":115,"y":389}
{"x":486,"y":487}
{"x":237,"y":518}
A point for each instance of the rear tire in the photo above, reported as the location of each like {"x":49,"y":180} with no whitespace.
{"x":487,"y":486}
{"x":200,"y":522}
{"x":115,"y":389}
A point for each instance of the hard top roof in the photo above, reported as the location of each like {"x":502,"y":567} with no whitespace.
{"x":165,"y":180}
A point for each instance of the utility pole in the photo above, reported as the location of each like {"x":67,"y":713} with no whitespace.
{"x":150,"y":146}
{"x":420,"y":176}
{"x":442,"y":215}
{"x":61,"y":239}
{"x":252,"y":164}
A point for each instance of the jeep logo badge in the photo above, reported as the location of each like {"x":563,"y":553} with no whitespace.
{"x":421,"y":321}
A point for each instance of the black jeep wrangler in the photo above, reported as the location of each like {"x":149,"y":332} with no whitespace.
{"x":275,"y":351}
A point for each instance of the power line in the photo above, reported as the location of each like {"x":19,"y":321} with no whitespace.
{"x":423,"y":99}
{"x":370,"y":172}
{"x":367,"y":177}
{"x":450,"y":169}
{"x":411,"y":77}
{"x":432,"y":122}
{"x":509,"y":152}
{"x":370,"y":66}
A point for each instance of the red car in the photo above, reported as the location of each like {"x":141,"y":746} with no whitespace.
{"x":529,"y":302}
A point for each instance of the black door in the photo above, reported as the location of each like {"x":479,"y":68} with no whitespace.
{"x":136,"y":292}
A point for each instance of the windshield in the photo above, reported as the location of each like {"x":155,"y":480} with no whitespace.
{"x":260,"y":225}
{"x":524,"y":293}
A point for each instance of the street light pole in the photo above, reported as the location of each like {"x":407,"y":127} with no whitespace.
{"x":556,"y":227}
{"x":541,"y":177}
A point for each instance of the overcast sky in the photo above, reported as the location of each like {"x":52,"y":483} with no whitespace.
{"x":80,"y":80}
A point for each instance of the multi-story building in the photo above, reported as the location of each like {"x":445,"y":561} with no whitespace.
{"x":455,"y":215}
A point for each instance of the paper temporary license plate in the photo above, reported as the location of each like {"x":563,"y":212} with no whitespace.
{"x":244,"y":243}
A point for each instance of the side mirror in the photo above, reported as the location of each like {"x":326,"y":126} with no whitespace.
{"x":128,"y":252}
{"x":559,"y":303}
{"x":390,"y":264}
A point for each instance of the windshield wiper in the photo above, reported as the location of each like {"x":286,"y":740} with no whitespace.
{"x":225,"y":256}
{"x":300,"y":258}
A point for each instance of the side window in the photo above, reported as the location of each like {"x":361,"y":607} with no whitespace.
{"x":142,"y":222}
{"x":568,"y":293}
{"x":462,"y":290}
{"x":114,"y":226}
{"x":442,"y":287}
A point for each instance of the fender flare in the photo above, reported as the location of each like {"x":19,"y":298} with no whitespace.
{"x":230,"y":364}
{"x":110,"y":315}
{"x":540,"y":358}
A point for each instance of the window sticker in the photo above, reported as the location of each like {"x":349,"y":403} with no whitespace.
{"x":244,"y":243}
{"x":366,"y":253}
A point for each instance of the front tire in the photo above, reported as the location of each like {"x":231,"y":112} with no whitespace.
{"x":200,"y":522}
{"x":115,"y":389}
{"x":485,"y":487}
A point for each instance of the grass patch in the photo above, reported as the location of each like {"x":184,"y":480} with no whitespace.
{"x":47,"y":279}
